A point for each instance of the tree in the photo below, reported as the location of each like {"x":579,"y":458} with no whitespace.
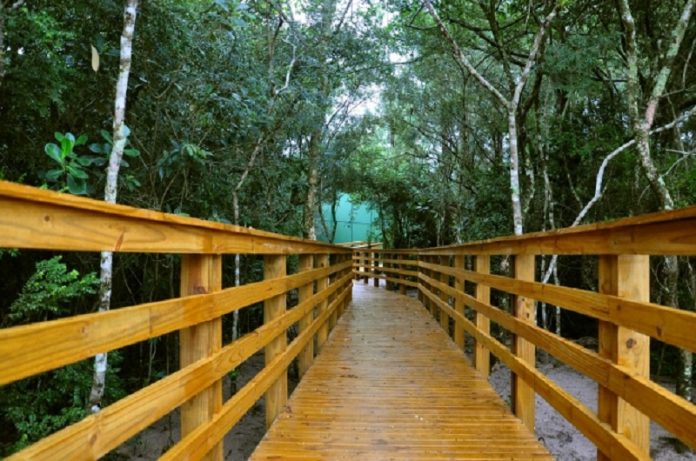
{"x":511,"y":103}
{"x":120,"y":138}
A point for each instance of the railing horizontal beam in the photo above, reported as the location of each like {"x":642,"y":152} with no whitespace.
{"x":36,"y":218}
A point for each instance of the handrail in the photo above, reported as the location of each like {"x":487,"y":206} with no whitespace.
{"x":40,"y":219}
{"x":627,"y":398}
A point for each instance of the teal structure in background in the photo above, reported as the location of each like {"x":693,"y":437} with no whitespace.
{"x":354,"y":222}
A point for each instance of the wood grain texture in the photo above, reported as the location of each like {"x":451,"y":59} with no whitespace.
{"x":482,"y":356}
{"x":584,"y":419}
{"x":273,"y":308}
{"x":408,"y":394}
{"x":79,"y":337}
{"x":673,"y":326}
{"x":96,"y":435}
{"x":522,"y":393}
{"x":304,"y":360}
{"x":42,"y":219}
{"x":626,"y":276}
{"x":197,"y":444}
{"x":201,"y":274}
{"x":459,"y":305}
{"x":322,"y":284}
{"x":666,"y":408}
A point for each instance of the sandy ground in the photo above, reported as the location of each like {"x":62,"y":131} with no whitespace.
{"x":559,"y":436}
{"x":239,"y":443}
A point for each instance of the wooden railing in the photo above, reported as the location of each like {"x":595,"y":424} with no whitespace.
{"x":627,"y":397}
{"x":38,"y":219}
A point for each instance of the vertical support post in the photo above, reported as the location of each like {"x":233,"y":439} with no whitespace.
{"x":432,"y":307}
{"x":444,"y":278}
{"x":322,"y":284}
{"x":402,"y":286}
{"x":333,"y":318}
{"x":275,"y":266}
{"x":201,"y":274}
{"x":523,"y":399}
{"x":482,"y":356}
{"x":366,"y":266}
{"x":627,"y":276}
{"x":304,"y":359}
{"x":421,"y":296}
{"x":375,"y":266}
{"x":458,"y":303}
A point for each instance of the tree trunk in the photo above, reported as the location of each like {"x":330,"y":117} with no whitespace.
{"x":313,"y":159}
{"x":515,"y":173}
{"x":120,"y":136}
{"x":642,"y":116}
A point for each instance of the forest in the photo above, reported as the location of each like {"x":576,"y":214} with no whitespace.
{"x":454,"y":120}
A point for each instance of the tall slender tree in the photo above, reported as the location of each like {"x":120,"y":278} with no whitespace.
{"x":120,"y":138}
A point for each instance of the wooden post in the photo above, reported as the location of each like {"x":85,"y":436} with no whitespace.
{"x":274,"y":266}
{"x":482,"y":356}
{"x":421,"y":297}
{"x":375,"y":266}
{"x":201,"y":274}
{"x":444,"y":278}
{"x":322,"y":284}
{"x":523,"y":399}
{"x":366,"y":267}
{"x":627,"y":276}
{"x":458,"y":304}
{"x":304,"y":360}
{"x":333,"y":318}
{"x":402,"y":286}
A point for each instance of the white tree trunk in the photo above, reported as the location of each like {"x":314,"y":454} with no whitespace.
{"x":111,"y":189}
{"x":515,"y":174}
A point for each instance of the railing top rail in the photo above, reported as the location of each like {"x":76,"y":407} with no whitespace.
{"x":42,"y":219}
{"x":661,"y":233}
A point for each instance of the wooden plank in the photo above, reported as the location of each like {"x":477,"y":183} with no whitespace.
{"x":322,"y":284}
{"x":401,"y":265}
{"x":482,"y":356}
{"x":669,"y":410}
{"x":523,"y":398}
{"x":199,"y":275}
{"x":584,"y":419}
{"x":304,"y":360}
{"x":628,"y":277}
{"x":277,"y":394}
{"x":42,"y":219}
{"x":672,"y":326}
{"x":444,"y":318}
{"x":79,"y":337}
{"x":371,"y":396}
{"x":662,"y":233}
{"x":198,"y":443}
{"x":96,"y":435}
{"x":375,"y":268}
{"x":458,"y":304}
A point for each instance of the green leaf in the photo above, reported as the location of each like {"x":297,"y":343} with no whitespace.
{"x":77,"y":186}
{"x":77,"y":172}
{"x":53,"y":151}
{"x":53,"y":175}
{"x":132,"y":152}
{"x":59,"y":136}
{"x":81,"y":140}
{"x":96,"y":148}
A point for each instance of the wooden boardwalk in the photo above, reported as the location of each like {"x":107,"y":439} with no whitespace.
{"x":389,"y":384}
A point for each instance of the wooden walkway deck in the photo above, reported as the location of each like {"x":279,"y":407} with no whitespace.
{"x":389,"y":384}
